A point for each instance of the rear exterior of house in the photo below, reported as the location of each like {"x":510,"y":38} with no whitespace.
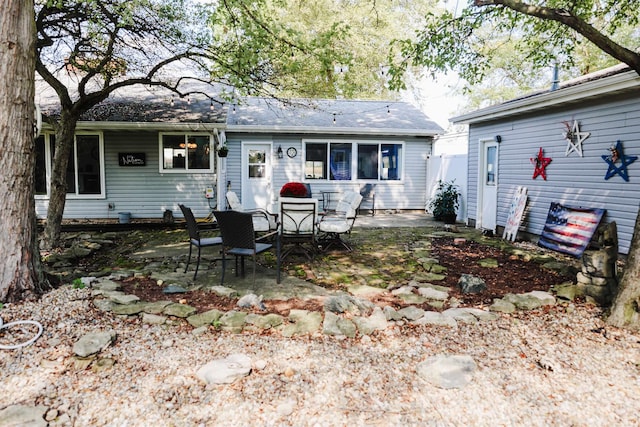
{"x":505,"y":140}
{"x":142,"y":153}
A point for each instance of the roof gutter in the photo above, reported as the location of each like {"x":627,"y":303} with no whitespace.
{"x":333,"y":130}
{"x":600,"y":87}
{"x":192,"y":127}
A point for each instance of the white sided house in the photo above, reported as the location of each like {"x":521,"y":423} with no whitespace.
{"x":143,"y":152}
{"x":577,"y":126}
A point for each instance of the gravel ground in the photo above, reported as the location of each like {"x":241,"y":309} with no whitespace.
{"x":553,"y":367}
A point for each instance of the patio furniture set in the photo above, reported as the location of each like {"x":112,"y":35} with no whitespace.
{"x":298,"y":227}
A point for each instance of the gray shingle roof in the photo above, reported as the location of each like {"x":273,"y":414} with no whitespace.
{"x":144,"y":104}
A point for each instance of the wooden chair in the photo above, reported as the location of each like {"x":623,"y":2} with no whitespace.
{"x":238,"y":239}
{"x":195,"y":239}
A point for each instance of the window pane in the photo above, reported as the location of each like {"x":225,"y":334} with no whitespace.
{"x":71,"y":172}
{"x":174,"y":151}
{"x":368,"y":161}
{"x":340,"y":162}
{"x":491,"y":165}
{"x":315,"y":161}
{"x":88,"y":149}
{"x":257,"y":162}
{"x":199,"y":154}
{"x":41,"y":168}
{"x":391,"y":162}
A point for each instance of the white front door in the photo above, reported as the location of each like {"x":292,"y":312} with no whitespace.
{"x":488,"y":185}
{"x":256,"y":175}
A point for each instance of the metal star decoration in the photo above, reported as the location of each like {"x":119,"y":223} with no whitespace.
{"x":574,"y":138}
{"x":618,"y":154}
{"x":540,"y":162}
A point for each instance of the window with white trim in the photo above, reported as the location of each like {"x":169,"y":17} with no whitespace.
{"x":85,"y":168}
{"x":335,"y":161}
{"x":182,"y":153}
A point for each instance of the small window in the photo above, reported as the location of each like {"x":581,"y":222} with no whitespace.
{"x":184,"y":153}
{"x":315,"y":161}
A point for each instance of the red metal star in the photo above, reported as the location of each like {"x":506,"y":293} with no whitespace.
{"x":540,"y":162}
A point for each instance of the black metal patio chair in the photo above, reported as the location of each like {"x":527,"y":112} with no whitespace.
{"x":195,"y":239}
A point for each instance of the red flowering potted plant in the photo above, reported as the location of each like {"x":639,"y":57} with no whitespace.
{"x":294,"y":189}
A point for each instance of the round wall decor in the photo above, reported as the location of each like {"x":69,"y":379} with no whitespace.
{"x":292,"y":152}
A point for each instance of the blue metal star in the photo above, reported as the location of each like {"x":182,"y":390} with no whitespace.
{"x":618,"y":154}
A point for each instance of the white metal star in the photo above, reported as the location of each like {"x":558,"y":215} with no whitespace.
{"x":574,"y":143}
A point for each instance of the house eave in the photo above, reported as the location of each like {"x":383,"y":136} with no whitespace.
{"x":159,"y":126}
{"x":332,"y":130}
{"x":623,"y":82}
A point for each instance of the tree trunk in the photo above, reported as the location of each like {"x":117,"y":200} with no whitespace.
{"x":625,"y":312}
{"x":58,"y":194}
{"x":21,"y":275}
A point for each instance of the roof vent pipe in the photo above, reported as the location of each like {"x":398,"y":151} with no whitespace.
{"x":555,"y":83}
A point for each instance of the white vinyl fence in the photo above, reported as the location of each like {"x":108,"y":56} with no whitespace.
{"x":449,"y":167}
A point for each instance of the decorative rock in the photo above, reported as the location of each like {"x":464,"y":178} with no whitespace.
{"x":232,"y":321}
{"x":127,"y":309}
{"x":155,"y":307}
{"x":461,"y":315}
{"x":412,"y":298}
{"x":335,"y":325}
{"x":348,"y":304}
{"x":174,"y":289}
{"x":305,"y":322}
{"x":107,"y":285}
{"x":391,"y":313}
{"x":367,"y":325}
{"x":566,"y":291}
{"x":93,"y":343}
{"x":123,"y":299}
{"x":103,"y":304}
{"x":23,"y":415}
{"x":447,"y":371}
{"x":179,"y":310}
{"x":204,"y":319}
{"x":430,"y":293}
{"x":488,"y":263}
{"x":153,"y":319}
{"x":224,"y":291}
{"x":436,"y":319}
{"x":102,"y":365}
{"x":266,"y":321}
{"x":225,"y":371}
{"x":433,"y":277}
{"x":530,"y":300}
{"x":471,"y":284}
{"x":411,"y":312}
{"x":502,"y":306}
{"x":403,"y":290}
{"x":251,"y":301}
{"x":362,"y":290}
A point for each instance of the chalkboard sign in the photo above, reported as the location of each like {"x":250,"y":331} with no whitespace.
{"x":132,"y":159}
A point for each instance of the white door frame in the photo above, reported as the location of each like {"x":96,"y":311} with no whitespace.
{"x":261,"y":198}
{"x":481,"y":221}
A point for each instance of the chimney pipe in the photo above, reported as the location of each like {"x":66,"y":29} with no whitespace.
{"x":555,"y":83}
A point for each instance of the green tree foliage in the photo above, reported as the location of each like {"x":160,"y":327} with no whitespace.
{"x":580,"y":35}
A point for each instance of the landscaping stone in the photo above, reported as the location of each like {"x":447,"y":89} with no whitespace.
{"x":23,"y":415}
{"x":153,"y":319}
{"x":232,"y":321}
{"x":348,"y":304}
{"x":204,"y":319}
{"x":264,"y":321}
{"x":225,"y":371}
{"x":469,"y":284}
{"x":123,"y":299}
{"x":224,"y":291}
{"x":128,"y":309}
{"x":436,"y":319}
{"x":412,"y":298}
{"x":502,"y":306}
{"x":93,"y":343}
{"x":430,"y":293}
{"x":304,"y":322}
{"x":488,"y":263}
{"x":447,"y":371}
{"x":411,"y":313}
{"x":251,"y":301}
{"x":376,"y":322}
{"x":337,"y":326}
{"x":179,"y":310}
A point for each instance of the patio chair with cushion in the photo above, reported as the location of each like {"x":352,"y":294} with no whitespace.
{"x":238,"y":239}
{"x":298,"y":226}
{"x":263,"y":221}
{"x":333,"y":225}
{"x":195,"y":239}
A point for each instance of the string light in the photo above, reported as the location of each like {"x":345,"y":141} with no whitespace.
{"x":334,"y":118}
{"x":188,"y":100}
{"x":211,"y":107}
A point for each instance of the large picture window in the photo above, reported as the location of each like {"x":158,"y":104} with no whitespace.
{"x":334,"y":161}
{"x":85,"y":168}
{"x":186,"y":153}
